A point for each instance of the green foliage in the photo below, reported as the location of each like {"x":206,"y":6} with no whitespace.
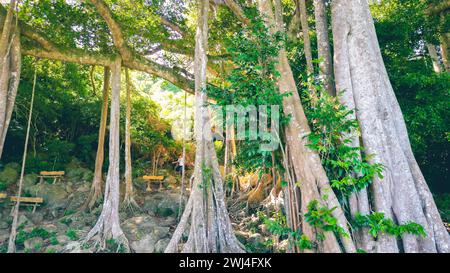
{"x":72,"y":234}
{"x":277,"y":225}
{"x":322,"y":219}
{"x":112,"y":246}
{"x":66,"y":118}
{"x":23,"y":235}
{"x":331,"y":136}
{"x":50,"y":250}
{"x":443,"y":204}
{"x":252,"y":82}
{"x":378,"y":224}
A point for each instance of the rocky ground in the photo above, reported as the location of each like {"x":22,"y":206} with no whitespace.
{"x":59,"y":225}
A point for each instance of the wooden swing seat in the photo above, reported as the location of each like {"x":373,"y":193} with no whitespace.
{"x":153,"y":179}
{"x":28,"y":201}
{"x":56,"y":175}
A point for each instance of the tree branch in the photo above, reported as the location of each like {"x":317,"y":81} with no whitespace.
{"x":237,"y":10}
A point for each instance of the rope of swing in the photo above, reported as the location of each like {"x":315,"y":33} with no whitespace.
{"x":183,"y":168}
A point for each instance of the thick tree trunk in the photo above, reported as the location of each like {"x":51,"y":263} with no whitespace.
{"x":323,"y":47}
{"x":96,"y":188}
{"x":402,"y":194}
{"x":108,"y":224}
{"x":210,"y":226}
{"x":10,"y":65}
{"x":128,"y":199}
{"x":434,"y":58}
{"x":306,"y":163}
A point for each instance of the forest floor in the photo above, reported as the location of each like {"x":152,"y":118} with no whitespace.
{"x":59,"y":225}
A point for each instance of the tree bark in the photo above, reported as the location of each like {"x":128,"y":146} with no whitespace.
{"x":210,"y":225}
{"x":10,"y":68}
{"x":445,"y":44}
{"x":108,"y":224}
{"x":323,"y":47}
{"x":128,"y":199}
{"x":96,"y":188}
{"x":306,"y":163}
{"x":402,"y":194}
{"x":434,"y":58}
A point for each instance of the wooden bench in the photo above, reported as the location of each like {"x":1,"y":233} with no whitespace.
{"x":28,"y":201}
{"x":153,"y":179}
{"x":56,"y":175}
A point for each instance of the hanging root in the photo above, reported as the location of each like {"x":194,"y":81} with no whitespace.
{"x":95,"y":195}
{"x":100,"y":237}
{"x":130,"y":205}
{"x":172,"y":247}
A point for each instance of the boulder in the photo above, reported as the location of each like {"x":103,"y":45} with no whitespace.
{"x":23,"y":221}
{"x":144,"y":232}
{"x":172,"y":180}
{"x":62,"y":239}
{"x":79,"y":175}
{"x":53,"y":249}
{"x":36,"y":217}
{"x":76,"y":200}
{"x":144,"y":245}
{"x":77,"y":247}
{"x":29,"y":181}
{"x":4,"y":236}
{"x":55,"y":195}
{"x":13,"y":165}
{"x":162,"y":204}
{"x":161,"y":245}
{"x":34,"y":243}
{"x":8,"y":176}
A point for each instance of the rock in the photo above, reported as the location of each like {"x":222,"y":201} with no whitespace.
{"x":241,"y":236}
{"x":77,"y":200}
{"x":84,"y":187}
{"x":161,"y":245}
{"x":36,"y":217}
{"x":263,"y":228}
{"x":145,"y":245}
{"x":162,"y":204}
{"x":79,"y":175}
{"x":23,"y":221}
{"x":255,"y":239}
{"x":29,"y":181}
{"x":34,"y":243}
{"x":55,"y":195}
{"x":8,"y":176}
{"x":13,"y":165}
{"x":53,"y":249}
{"x":172,"y":180}
{"x":73,"y":247}
{"x":4,"y":224}
{"x":144,"y":232}
{"x":62,"y":239}
{"x":283,"y":246}
{"x":4,"y":236}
